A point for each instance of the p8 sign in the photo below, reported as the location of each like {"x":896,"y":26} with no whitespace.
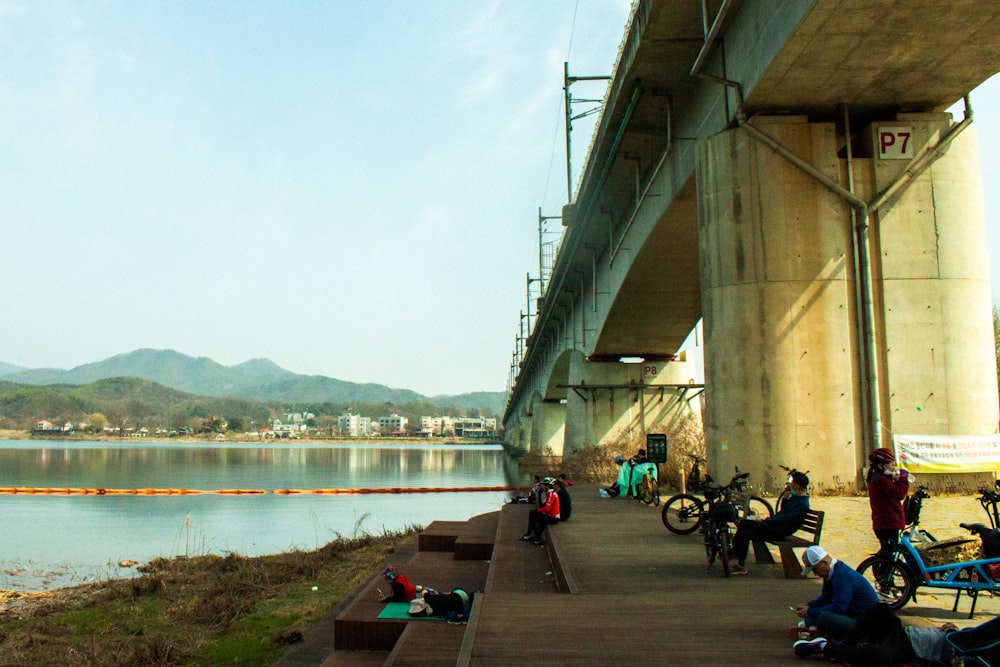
{"x":894,"y":143}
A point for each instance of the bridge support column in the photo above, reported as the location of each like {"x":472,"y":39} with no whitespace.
{"x":619,"y":403}
{"x":547,"y":427}
{"x":784,"y":383}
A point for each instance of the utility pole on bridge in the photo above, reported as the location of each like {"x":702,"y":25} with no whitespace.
{"x":567,"y":82}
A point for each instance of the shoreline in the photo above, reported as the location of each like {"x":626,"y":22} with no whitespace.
{"x":10,"y":434}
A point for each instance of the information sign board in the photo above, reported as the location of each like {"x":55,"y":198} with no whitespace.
{"x":656,"y":447}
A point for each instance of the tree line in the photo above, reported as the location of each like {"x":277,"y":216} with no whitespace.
{"x":125,"y":404}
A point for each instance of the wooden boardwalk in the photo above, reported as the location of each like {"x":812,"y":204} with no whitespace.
{"x":610,"y":587}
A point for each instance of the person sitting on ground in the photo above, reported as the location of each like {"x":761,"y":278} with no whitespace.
{"x":620,"y":485}
{"x":565,"y":480}
{"x":781,"y":525}
{"x":879,"y":638}
{"x":454,"y":605}
{"x":846,"y":595}
{"x":401,"y":588}
{"x":565,"y":502}
{"x":545,"y":515}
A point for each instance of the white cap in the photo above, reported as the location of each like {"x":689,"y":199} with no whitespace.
{"x":812,"y":556}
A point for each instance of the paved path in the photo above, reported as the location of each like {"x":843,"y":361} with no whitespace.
{"x":632,"y":593}
{"x":643,"y":596}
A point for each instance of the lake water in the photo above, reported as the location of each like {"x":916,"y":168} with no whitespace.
{"x":51,"y":541}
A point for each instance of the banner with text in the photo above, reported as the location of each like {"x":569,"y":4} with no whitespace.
{"x":948,"y":453}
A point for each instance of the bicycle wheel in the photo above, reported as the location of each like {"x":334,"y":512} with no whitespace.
{"x":656,"y":493}
{"x":723,"y":538}
{"x":645,"y":490}
{"x":682,"y":513}
{"x":892,"y":580}
{"x":782,"y":497}
{"x":711,"y":545}
{"x":758,"y":508}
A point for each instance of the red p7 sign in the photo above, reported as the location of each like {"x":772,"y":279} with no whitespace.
{"x":894,"y":143}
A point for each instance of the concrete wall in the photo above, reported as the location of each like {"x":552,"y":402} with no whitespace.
{"x":621,"y":402}
{"x":547,"y":428}
{"x":778,"y":298}
{"x":782,"y":368}
{"x":935,"y":314}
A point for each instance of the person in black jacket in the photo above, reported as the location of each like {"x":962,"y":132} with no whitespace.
{"x":565,"y":502}
{"x":781,"y":525}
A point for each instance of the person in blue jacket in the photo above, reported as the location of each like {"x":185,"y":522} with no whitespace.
{"x":781,"y":525}
{"x":845,"y":597}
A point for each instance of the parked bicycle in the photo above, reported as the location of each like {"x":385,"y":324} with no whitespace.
{"x":683,"y":512}
{"x":896,"y":576}
{"x":647,"y":490}
{"x":717,"y":531}
{"x":989,"y":499}
{"x":912,"y":507}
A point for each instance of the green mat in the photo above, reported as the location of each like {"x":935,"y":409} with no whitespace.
{"x":400,"y":609}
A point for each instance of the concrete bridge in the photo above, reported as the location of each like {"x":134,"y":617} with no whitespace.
{"x":785,"y":172}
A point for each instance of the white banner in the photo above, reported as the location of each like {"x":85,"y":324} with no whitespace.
{"x":948,"y":453}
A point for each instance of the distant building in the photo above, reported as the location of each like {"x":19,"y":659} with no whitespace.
{"x":392,"y":424}
{"x":354,"y":425}
{"x":45,"y":427}
{"x":437,"y":425}
{"x":476,"y":427}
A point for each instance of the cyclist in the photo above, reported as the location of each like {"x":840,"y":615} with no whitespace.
{"x":887,"y":490}
{"x":788,"y":520}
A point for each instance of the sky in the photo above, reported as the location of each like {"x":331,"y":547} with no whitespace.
{"x":349,"y":189}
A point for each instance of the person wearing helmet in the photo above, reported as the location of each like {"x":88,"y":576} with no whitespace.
{"x":401,"y":588}
{"x":887,"y":489}
{"x":545,"y":515}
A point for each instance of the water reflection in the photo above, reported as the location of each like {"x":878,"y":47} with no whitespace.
{"x":59,"y":540}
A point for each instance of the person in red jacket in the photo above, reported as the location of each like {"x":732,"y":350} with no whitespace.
{"x":545,"y":515}
{"x":887,"y":489}
{"x":402,"y":589}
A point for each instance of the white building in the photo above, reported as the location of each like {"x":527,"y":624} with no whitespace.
{"x":354,"y":425}
{"x":392,"y":424}
{"x":438,"y":425}
{"x":475,"y":427}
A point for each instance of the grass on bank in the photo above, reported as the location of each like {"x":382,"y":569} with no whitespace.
{"x":205,"y":610}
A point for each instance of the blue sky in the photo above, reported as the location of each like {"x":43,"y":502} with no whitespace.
{"x":349,"y":189}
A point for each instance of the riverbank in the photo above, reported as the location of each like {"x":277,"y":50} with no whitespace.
{"x":190,"y":611}
{"x":214,"y":439}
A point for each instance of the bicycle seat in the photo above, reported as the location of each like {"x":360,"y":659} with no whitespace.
{"x":976,"y":528}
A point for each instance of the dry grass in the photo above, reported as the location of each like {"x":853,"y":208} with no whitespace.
{"x":207,"y":610}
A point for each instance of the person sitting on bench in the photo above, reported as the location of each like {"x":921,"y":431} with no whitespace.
{"x":778,"y":527}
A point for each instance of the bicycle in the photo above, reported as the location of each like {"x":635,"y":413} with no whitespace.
{"x":718,"y":534}
{"x":682,"y":513}
{"x":896,"y":576}
{"x":911,"y":511}
{"x":989,"y":500}
{"x":648,"y":490}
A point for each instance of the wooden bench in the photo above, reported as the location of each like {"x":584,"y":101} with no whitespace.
{"x":806,"y":536}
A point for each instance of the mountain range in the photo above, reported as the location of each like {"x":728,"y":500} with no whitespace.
{"x":256,"y":379}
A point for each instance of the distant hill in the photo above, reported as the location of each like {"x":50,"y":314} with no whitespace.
{"x":256,"y":379}
{"x":9,"y":368}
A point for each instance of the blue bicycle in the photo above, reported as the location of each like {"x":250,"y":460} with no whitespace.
{"x":897,"y":576}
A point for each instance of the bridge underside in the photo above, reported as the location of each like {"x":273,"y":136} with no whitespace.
{"x":742,"y":176}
